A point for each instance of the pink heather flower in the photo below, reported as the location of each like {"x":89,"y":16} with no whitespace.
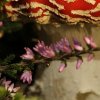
{"x":79,"y":63}
{"x":44,"y":50}
{"x":26,"y":76}
{"x":62,"y":67}
{"x":77,"y":45}
{"x":10,"y":87}
{"x":90,"y":57}
{"x":28,"y":55}
{"x":64,"y":46}
{"x":16,"y":89}
{"x":90,"y":41}
{"x":55,"y":47}
{"x":1,"y":23}
{"x":6,"y":83}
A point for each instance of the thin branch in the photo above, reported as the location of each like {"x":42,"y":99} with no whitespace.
{"x":67,"y":56}
{"x":45,"y":60}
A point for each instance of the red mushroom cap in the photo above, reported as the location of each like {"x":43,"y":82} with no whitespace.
{"x":69,"y":10}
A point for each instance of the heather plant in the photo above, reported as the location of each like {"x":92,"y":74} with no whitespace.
{"x":20,"y":58}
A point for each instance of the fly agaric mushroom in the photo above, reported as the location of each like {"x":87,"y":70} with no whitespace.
{"x":69,"y":10}
{"x":10,"y":10}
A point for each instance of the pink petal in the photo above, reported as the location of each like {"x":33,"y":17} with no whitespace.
{"x":10,"y":89}
{"x":90,"y":41}
{"x":93,"y":45}
{"x":6,"y":84}
{"x":61,"y":67}
{"x":28,"y":55}
{"x":24,"y":80}
{"x":16,"y":89}
{"x":87,"y":40}
{"x":79,"y":63}
{"x":90,"y":57}
{"x":78,"y":48}
{"x":22,"y":76}
{"x":28,"y":80}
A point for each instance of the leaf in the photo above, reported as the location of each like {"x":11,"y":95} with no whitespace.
{"x":19,"y":96}
{"x":9,"y":59}
{"x":3,"y":93}
{"x":11,"y":73}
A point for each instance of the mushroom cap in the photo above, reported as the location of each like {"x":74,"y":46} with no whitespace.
{"x":69,"y":10}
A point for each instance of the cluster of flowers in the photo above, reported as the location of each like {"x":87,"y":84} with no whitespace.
{"x":59,"y":51}
{"x":9,"y":86}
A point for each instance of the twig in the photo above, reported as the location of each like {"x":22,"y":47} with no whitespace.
{"x":46,"y":60}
